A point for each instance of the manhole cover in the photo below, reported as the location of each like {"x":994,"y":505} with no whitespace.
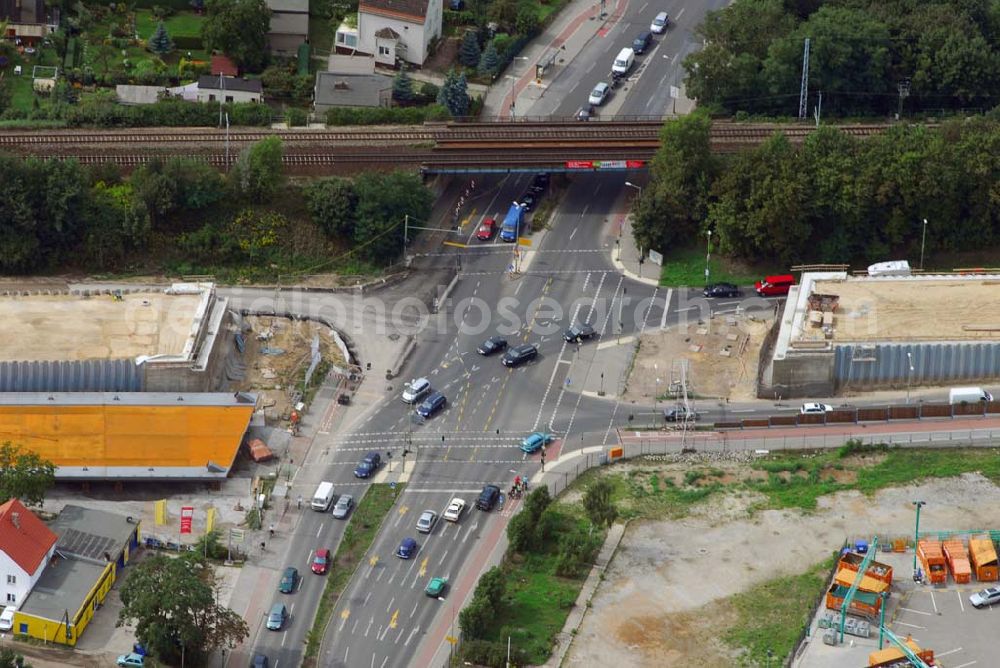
{"x":394,"y":336}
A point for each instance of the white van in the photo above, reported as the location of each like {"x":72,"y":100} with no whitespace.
{"x":968,"y":395}
{"x":623,"y":61}
{"x":7,"y":618}
{"x":323,"y":497}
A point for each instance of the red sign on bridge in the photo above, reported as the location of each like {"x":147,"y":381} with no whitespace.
{"x":605,"y":164}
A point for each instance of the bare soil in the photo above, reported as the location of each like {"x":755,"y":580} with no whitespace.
{"x":662,"y":600}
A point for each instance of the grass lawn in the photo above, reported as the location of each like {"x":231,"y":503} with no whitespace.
{"x":362,"y":526}
{"x":772,"y":614}
{"x":181,"y":24}
{"x":686,"y":266}
{"x":21,"y":92}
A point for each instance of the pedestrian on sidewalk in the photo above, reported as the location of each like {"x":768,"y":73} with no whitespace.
{"x":270,"y":530}
{"x":298,"y":502}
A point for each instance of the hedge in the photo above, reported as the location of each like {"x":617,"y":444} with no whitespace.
{"x":187,"y":43}
{"x":385,"y":116}
{"x":175,"y":113}
{"x":177,"y":5}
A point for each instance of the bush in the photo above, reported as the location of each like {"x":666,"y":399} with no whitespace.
{"x":492,"y":654}
{"x":384,"y":116}
{"x":296,"y":117}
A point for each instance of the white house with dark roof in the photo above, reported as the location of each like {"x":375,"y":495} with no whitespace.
{"x":403,"y":29}
{"x":229,"y":89}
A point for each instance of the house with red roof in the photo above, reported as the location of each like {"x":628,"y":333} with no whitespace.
{"x":26,"y":546}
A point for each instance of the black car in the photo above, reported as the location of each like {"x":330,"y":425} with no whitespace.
{"x":432,"y":404}
{"x":488,"y":498}
{"x":519,"y":354}
{"x":528,"y":201}
{"x":540,"y":183}
{"x":368,"y":465}
{"x":578,"y":333}
{"x":722,"y":290}
{"x":494,"y":344}
{"x":642,"y":42}
{"x":679,"y":414}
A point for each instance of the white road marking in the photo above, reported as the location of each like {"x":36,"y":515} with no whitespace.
{"x":950,"y":651}
{"x":960,"y":603}
{"x":918,"y":612}
{"x":643,"y":8}
{"x":410,"y":637}
{"x":318,"y":532}
{"x":366,"y":599}
{"x":965,"y":665}
{"x":441,"y":560}
{"x":346,"y":652}
{"x":571,"y":234}
{"x":912,"y":626}
{"x":414,"y":610}
{"x":679,"y":14}
{"x":666,"y":308}
{"x":934,"y":603}
{"x":391,"y":601}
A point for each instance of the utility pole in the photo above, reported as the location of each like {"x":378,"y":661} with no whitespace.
{"x":923,"y":241}
{"x":708,"y":256}
{"x":904,"y":92}
{"x":804,"y":89}
{"x":916,"y":533}
{"x":819,"y":108}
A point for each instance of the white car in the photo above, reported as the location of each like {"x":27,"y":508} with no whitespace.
{"x":415,"y":390}
{"x":455,"y":509}
{"x":813,"y":408}
{"x":427,"y":520}
{"x":660,"y":23}
{"x":987,"y":596}
{"x":599,"y":94}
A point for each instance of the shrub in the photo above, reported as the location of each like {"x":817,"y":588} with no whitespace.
{"x":296,"y":117}
{"x":384,"y":116}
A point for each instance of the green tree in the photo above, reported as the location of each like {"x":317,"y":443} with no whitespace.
{"x":491,"y":587}
{"x":469,"y":51}
{"x":256,"y":230}
{"x":258,"y":174}
{"x":476,"y":618}
{"x":522,"y":533}
{"x":24,"y":475}
{"x":238,"y":28}
{"x":11,"y":659}
{"x":402,"y":87}
{"x":117,"y":220}
{"x":332,"y":205}
{"x":454,"y":94}
{"x":489,"y":62}
{"x":172,"y":604}
{"x":160,"y":43}
{"x":598,"y":504}
{"x":383,"y":201}
{"x":526,"y":20}
{"x":536,"y":502}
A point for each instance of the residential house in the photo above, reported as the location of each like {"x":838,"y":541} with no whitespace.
{"x":289,"y":26}
{"x":351,"y":89}
{"x":403,"y":29}
{"x":26,"y":546}
{"x":229,"y":89}
{"x":28,"y":21}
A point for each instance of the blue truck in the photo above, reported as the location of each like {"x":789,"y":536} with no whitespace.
{"x":511,"y":228}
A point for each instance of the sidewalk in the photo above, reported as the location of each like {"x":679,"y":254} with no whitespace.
{"x":625,"y":254}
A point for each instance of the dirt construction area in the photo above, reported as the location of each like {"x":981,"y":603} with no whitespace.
{"x":663,"y":598}
{"x":721,"y":357}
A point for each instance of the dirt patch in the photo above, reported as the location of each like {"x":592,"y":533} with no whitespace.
{"x":721,"y":357}
{"x":278,"y":352}
{"x":662,"y":601}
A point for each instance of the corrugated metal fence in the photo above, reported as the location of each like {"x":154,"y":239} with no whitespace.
{"x":885,"y":365}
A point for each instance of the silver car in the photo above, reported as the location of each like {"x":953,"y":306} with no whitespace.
{"x":988,"y":596}
{"x":427,"y":520}
{"x":599,"y":94}
{"x":343,"y":507}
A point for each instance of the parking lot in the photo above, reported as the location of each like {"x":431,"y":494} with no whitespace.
{"x":936,"y":617}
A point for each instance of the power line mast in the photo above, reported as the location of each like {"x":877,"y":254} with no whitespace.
{"x":804,"y":90}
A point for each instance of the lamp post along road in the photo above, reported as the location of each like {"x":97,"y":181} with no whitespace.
{"x":916,"y":533}
{"x":923,"y":242}
{"x":708,"y":256}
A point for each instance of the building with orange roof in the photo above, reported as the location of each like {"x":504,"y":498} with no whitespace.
{"x":26,"y":546}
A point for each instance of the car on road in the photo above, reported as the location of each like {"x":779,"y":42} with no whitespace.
{"x":289,"y":578}
{"x":427,"y":520}
{"x":528,"y":201}
{"x":585,"y":113}
{"x":679,"y":414}
{"x":131,"y":659}
{"x":540,"y":183}
{"x":432,"y":404}
{"x":642,"y":42}
{"x":813,"y":408}
{"x":518,"y":355}
{"x":407,"y":548}
{"x":258,"y":661}
{"x":416,"y":389}
{"x":488,"y":498}
{"x":986,"y":597}
{"x":454,"y":509}
{"x":721,"y":290}
{"x":343,"y":507}
{"x":321,"y":561}
{"x":660,"y":23}
{"x":276,"y":618}
{"x":368,"y":466}
{"x":436,"y":586}
{"x":599,"y":94}
{"x":578,"y":333}
{"x":494,"y":344}
{"x":533,"y":442}
{"x":486,"y":229}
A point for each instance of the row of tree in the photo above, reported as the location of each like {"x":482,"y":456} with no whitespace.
{"x":866,"y":56}
{"x":833,"y":199}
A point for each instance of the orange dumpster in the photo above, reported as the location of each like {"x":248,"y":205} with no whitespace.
{"x":893,"y":656}
{"x":958,"y":560}
{"x":845,"y":578}
{"x":932,"y":558}
{"x":864,"y":603}
{"x":983,"y":556}
{"x":876,"y":570}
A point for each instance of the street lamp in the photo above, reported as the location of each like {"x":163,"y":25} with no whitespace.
{"x":513,"y":79}
{"x":708,"y":255}
{"x":909,"y":377}
{"x":923,"y":241}
{"x":916,"y":533}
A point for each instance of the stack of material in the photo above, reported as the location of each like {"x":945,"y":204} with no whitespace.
{"x":958,"y":561}
{"x":983,"y":556}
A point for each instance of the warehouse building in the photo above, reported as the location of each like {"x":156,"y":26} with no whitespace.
{"x":839,"y":332}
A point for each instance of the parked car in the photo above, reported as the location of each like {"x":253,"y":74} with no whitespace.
{"x":426,"y":522}
{"x":535,"y":441}
{"x":416,"y":389}
{"x":343,"y":507}
{"x":258,"y":661}
{"x":528,"y":201}
{"x":519,"y":355}
{"x":578,"y":333}
{"x":813,"y":408}
{"x":660,"y":23}
{"x":585,"y":113}
{"x":986,"y":597}
{"x":486,"y":229}
{"x":494,"y":344}
{"x":436,"y":586}
{"x":131,"y":659}
{"x":407,"y":548}
{"x":289,"y":578}
{"x":368,"y":466}
{"x":432,"y":404}
{"x":488,"y":498}
{"x":679,"y":414}
{"x":642,"y":41}
{"x":599,"y":94}
{"x":540,"y":183}
{"x":774,"y":286}
{"x":276,"y":618}
{"x":721,"y":290}
{"x":454,"y":510}
{"x":321,"y":561}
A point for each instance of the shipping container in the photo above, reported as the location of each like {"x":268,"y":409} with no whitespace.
{"x":983,"y":555}
{"x":958,"y":560}
{"x":864,"y":603}
{"x":876,"y":569}
{"x":932,"y":558}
